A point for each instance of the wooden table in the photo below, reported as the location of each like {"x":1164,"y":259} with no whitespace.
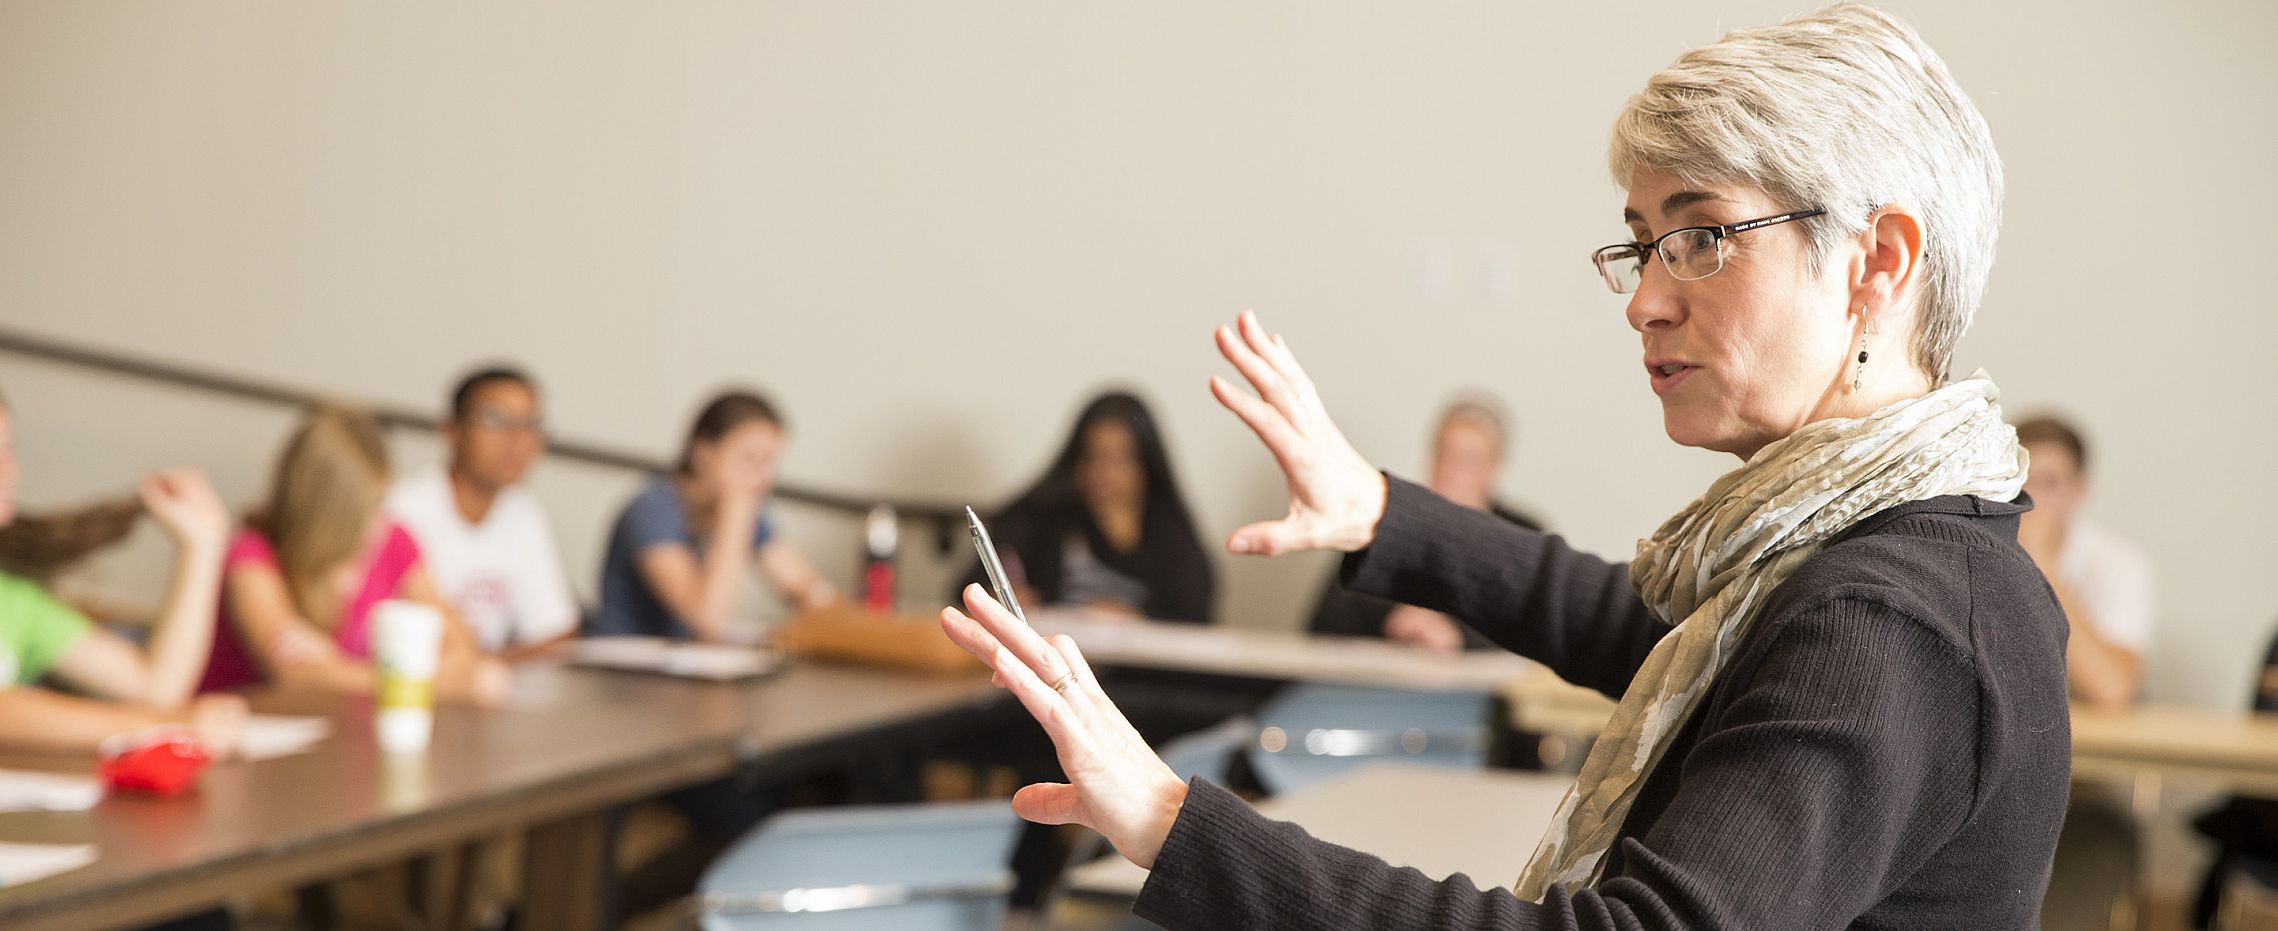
{"x":570,"y":745}
{"x":2233,"y":751}
{"x":1282,"y":655}
{"x":1482,"y":823}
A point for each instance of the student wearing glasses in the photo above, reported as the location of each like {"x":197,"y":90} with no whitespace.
{"x":1840,"y":678}
{"x":485,"y":539}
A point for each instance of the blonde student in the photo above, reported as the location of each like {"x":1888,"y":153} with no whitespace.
{"x":303,"y":575}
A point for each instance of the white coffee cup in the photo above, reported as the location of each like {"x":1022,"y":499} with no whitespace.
{"x":407,"y":646}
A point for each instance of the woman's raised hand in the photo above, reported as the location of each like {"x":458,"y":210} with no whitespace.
{"x":1335,"y":496}
{"x":1116,"y":784}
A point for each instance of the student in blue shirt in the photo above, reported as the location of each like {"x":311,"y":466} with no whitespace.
{"x":678,"y":553}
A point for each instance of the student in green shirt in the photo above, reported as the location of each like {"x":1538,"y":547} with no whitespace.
{"x":114,"y":686}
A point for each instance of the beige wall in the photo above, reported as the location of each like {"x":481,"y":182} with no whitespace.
{"x":930,"y":229}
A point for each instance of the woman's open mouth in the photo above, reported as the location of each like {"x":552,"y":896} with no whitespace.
{"x":1668,"y":375}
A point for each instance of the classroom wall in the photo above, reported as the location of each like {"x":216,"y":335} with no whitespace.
{"x":931,"y":229}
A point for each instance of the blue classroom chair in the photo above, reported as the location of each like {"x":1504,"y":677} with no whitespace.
{"x":1309,"y":733}
{"x":932,"y":867}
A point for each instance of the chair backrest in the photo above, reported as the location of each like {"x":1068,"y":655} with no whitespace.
{"x":1209,"y":751}
{"x":1309,"y":733}
{"x":936,"y":866}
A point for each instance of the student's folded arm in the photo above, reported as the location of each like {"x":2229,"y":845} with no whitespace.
{"x":701,"y":594}
{"x":292,"y":652}
{"x":104,"y":665}
{"x":35,"y":718}
{"x":1826,"y":778}
{"x":1526,"y":591}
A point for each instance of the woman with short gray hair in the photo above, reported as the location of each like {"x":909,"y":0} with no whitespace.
{"x":1841,"y":681}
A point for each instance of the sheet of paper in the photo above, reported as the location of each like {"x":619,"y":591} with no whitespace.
{"x":23,"y":863}
{"x":271,"y":735}
{"x":30,"y":791}
{"x":719,"y":662}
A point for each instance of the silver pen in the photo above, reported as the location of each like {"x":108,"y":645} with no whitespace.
{"x":993,"y":566}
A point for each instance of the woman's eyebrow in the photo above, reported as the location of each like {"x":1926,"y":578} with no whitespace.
{"x":1673,"y":203}
{"x":1683,"y":199}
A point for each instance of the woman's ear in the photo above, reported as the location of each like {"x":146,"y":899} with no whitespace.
{"x":1889,"y":263}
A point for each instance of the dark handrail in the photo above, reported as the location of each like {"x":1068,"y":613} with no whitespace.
{"x":947,"y":520}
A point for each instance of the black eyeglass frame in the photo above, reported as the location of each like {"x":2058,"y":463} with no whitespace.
{"x":1717,"y":234}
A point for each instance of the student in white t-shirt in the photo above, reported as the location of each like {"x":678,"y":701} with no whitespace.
{"x":481,"y":534}
{"x":2103,"y":581}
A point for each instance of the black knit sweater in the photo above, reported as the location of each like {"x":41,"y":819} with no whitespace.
{"x":1888,"y":746}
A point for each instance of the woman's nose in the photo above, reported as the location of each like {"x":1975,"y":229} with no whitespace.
{"x":1655,"y":304}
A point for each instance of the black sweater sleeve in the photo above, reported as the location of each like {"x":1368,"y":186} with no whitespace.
{"x":1843,"y":758}
{"x":1527,"y":591}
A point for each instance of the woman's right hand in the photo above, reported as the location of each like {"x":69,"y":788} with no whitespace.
{"x":1335,"y":496}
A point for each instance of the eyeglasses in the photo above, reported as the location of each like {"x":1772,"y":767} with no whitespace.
{"x":506,"y":423}
{"x":1690,"y":254}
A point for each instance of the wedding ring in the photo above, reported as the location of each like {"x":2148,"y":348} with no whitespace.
{"x":1065,"y":681}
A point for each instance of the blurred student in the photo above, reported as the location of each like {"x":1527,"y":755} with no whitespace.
{"x":483,"y":536}
{"x":115,"y":686}
{"x":679,"y":551}
{"x":2245,"y":830}
{"x":2103,"y":581}
{"x":300,"y":580}
{"x":1105,"y":527}
{"x":2105,"y":585}
{"x":1467,"y":454}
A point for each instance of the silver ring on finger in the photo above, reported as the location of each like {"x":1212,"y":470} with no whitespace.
{"x":1065,"y":681}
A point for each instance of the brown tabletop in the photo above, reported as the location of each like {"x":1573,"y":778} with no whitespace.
{"x":570,"y":744}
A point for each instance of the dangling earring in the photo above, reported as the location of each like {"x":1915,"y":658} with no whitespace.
{"x":1861,"y":371}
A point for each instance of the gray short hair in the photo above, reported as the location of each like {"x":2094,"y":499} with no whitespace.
{"x":1845,"y":109}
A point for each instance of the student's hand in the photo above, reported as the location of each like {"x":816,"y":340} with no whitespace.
{"x":1430,"y":630}
{"x":218,"y":721}
{"x":1335,"y":496}
{"x":1116,"y":784}
{"x":489,"y":682}
{"x":185,"y":505}
{"x":738,"y":508}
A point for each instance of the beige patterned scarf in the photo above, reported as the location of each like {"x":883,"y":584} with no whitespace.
{"x":1708,"y":569}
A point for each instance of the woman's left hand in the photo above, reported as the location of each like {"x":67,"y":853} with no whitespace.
{"x":1116,"y":784}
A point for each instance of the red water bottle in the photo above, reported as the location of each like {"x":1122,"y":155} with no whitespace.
{"x":880,"y":533}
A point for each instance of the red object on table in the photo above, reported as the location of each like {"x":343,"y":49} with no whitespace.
{"x":160,"y":761}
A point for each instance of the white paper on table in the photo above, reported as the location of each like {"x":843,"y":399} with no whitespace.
{"x":271,"y":735}
{"x":711,"y":661}
{"x":29,"y":791}
{"x":23,"y":863}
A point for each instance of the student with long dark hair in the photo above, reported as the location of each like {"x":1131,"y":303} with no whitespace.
{"x":1106,"y":527}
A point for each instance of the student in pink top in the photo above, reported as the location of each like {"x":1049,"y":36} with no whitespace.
{"x":301,"y":578}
